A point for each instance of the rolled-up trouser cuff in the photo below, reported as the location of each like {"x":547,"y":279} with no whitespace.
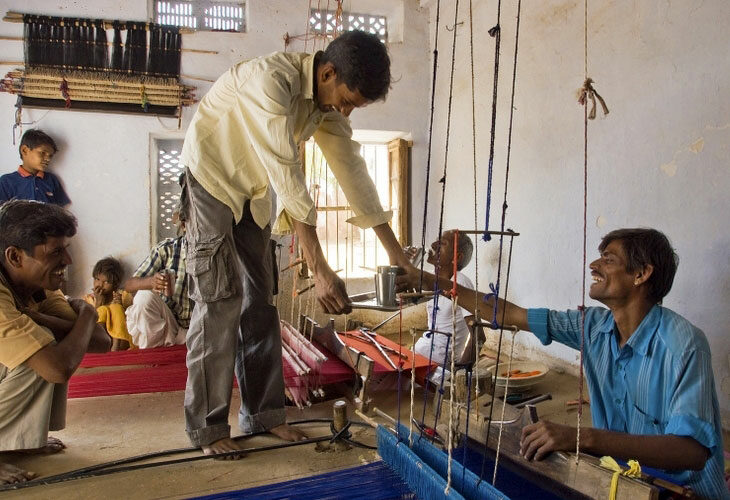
{"x":261,"y":422}
{"x":208,"y":435}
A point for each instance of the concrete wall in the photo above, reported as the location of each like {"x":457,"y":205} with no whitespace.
{"x":661,"y":158}
{"x":104,"y":159}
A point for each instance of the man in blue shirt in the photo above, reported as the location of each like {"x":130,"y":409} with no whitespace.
{"x":32,"y":181}
{"x":649,"y":370}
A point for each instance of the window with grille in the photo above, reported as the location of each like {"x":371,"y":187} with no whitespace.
{"x":325,"y":22}
{"x":168,"y":187}
{"x":347,"y":247}
{"x":202,"y":15}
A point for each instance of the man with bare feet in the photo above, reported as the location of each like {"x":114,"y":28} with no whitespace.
{"x":43,"y":337}
{"x":240,"y":149}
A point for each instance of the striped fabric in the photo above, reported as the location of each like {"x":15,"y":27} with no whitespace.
{"x":170,"y":254}
{"x":660,"y":382}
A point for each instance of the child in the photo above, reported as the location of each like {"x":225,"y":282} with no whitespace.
{"x":32,"y":181}
{"x":110,"y":302}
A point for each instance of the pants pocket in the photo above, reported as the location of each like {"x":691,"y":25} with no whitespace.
{"x":210,"y":266}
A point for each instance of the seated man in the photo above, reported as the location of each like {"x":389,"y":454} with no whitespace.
{"x":43,"y":337}
{"x":160,"y":311}
{"x":433,"y":345}
{"x":649,"y":370}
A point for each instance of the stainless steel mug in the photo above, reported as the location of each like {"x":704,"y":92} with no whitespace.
{"x":385,"y":285}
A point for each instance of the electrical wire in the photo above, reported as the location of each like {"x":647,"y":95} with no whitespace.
{"x":121,"y":465}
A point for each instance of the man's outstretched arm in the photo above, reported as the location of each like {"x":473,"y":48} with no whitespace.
{"x":507,"y":313}
{"x":669,"y":452}
{"x":330,"y":289}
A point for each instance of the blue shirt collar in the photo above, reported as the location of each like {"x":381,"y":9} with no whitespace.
{"x":641,"y":339}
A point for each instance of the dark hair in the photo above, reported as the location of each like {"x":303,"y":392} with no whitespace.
{"x":361,"y":61}
{"x":464,"y":250}
{"x":647,"y":246}
{"x":26,"y":224}
{"x":112,"y":268}
{"x":34,"y":138}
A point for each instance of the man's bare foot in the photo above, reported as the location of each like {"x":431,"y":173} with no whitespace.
{"x":224,"y":445}
{"x":53,"y":445}
{"x":288,"y":433}
{"x":11,"y":474}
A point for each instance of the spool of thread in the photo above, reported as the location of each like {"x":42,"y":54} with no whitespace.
{"x":339,"y":409}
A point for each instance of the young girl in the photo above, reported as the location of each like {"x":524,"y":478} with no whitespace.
{"x":110,"y":302}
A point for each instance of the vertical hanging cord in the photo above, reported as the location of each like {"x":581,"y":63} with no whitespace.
{"x":511,"y":353}
{"x":443,"y":199}
{"x":476,"y":211}
{"x":496,"y":33}
{"x":430,"y":140}
{"x":454,"y":292}
{"x":585,"y":227}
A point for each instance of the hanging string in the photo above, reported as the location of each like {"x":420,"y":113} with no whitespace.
{"x":430,"y":141}
{"x":443,"y":198}
{"x":452,"y":367}
{"x":476,"y":210}
{"x":585,"y":227}
{"x":494,"y":32}
{"x":306,"y":31}
{"x":413,"y":386}
{"x":499,"y":347}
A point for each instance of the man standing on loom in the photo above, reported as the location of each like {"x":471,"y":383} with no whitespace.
{"x":648,"y":369}
{"x":241,"y":144}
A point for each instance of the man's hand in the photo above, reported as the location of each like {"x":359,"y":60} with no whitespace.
{"x":80,"y":306}
{"x":539,"y":439}
{"x":409,"y":278}
{"x":332,"y":293}
{"x":116,"y":297}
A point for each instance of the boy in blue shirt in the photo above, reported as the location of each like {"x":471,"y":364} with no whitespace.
{"x":32,"y":181}
{"x":649,"y":370}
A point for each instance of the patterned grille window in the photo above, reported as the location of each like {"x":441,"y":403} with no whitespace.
{"x":168,"y":188}
{"x":324,"y":22}
{"x":202,"y":15}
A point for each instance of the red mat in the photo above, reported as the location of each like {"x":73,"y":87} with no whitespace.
{"x":162,"y":370}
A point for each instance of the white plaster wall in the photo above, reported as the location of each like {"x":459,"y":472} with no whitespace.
{"x":661,"y":158}
{"x":104,"y":158}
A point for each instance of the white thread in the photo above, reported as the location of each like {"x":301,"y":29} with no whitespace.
{"x":504,"y":404}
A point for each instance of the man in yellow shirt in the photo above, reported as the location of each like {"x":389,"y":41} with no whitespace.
{"x":240,"y":148}
{"x":43,"y":337}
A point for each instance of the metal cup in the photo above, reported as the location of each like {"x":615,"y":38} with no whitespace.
{"x":385,"y":285}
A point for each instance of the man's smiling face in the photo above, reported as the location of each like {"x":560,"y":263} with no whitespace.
{"x":611,"y":280}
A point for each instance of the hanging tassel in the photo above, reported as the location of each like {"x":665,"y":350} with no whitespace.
{"x":589,"y":93}
{"x":145,"y":100}
{"x":64,"y":92}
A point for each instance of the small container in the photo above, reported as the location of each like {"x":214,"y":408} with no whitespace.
{"x":385,"y":285}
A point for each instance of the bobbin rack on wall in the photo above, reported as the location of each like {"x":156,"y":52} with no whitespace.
{"x":69,"y":63}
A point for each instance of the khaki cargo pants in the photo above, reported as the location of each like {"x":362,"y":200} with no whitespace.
{"x":233,"y":324}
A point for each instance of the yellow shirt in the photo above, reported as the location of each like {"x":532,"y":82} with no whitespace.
{"x":20,"y":336}
{"x":244,"y":137}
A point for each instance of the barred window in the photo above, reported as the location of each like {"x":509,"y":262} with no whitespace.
{"x":202,"y":15}
{"x":345,"y":246}
{"x":325,"y":22}
{"x":168,"y":188}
